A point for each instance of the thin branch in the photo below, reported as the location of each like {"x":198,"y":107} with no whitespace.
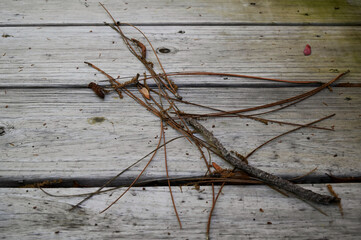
{"x":260,"y":174}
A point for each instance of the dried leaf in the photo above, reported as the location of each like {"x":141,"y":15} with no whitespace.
{"x":144,"y":92}
{"x":217,"y":167}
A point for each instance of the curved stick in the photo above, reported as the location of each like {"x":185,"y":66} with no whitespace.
{"x":262,"y":175}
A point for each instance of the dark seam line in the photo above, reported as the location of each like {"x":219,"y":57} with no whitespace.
{"x":68,"y":183}
{"x":206,"y":85}
{"x":184,"y":24}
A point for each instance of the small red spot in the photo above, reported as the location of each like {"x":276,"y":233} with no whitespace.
{"x":307,"y":50}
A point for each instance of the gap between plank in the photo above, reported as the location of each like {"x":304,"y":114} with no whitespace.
{"x":352,"y":24}
{"x":124,"y":182}
{"x":190,"y":85}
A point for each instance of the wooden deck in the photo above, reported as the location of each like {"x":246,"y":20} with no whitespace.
{"x":53,"y":128}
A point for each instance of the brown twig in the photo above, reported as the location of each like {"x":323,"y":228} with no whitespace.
{"x":262,"y":175}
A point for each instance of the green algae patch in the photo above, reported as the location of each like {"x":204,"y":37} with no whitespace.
{"x":95,"y":120}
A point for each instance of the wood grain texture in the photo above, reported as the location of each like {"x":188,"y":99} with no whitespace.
{"x":54,"y":56}
{"x":72,"y":134}
{"x":182,"y":12}
{"x":53,"y":127}
{"x":148,"y":212}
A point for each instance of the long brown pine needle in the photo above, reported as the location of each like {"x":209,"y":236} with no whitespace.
{"x":302,"y":96}
{"x":213,"y":206}
{"x":203,"y":73}
{"x":168,"y":180}
{"x":285,"y":133}
{"x":136,"y":179}
{"x":119,"y":174}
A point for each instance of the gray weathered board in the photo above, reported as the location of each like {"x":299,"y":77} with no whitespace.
{"x":163,"y":12}
{"x":58,"y":127}
{"x":147,"y":213}
{"x":54,"y":56}
{"x":54,"y":128}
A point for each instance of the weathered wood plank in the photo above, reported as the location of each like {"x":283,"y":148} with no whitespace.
{"x":70,"y":134}
{"x":182,"y":12}
{"x":148,"y":213}
{"x":53,"y":133}
{"x":54,"y":56}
